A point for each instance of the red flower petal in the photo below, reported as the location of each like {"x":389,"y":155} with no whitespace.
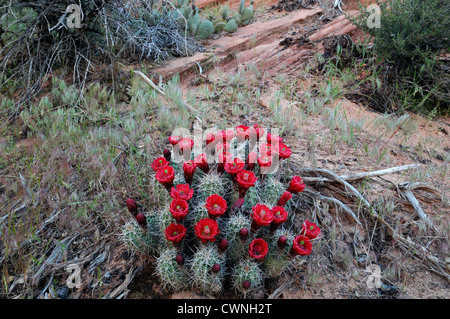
{"x":296,"y":185}
{"x":301,"y":246}
{"x":216,"y":206}
{"x":175,"y":233}
{"x":206,"y":229}
{"x":258,"y":249}
{"x":182,"y":191}
{"x":158,"y":163}
{"x":310,"y":229}
{"x":179,"y":209}
{"x":262,"y":215}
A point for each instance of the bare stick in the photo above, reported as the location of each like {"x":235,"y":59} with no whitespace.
{"x":334,"y":201}
{"x":354,"y":177}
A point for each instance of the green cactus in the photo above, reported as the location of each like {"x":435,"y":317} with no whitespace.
{"x":204,"y":30}
{"x":278,"y":261}
{"x":193,"y":23}
{"x":247,"y":270}
{"x":225,"y":12}
{"x":272,"y":191}
{"x":219,"y":26}
{"x":231,"y":26}
{"x":246,"y":16}
{"x":187,"y":12}
{"x":181,"y":3}
{"x":160,"y":193}
{"x":236,"y":248}
{"x":135,"y":238}
{"x":172,"y":276}
{"x":209,"y":184}
{"x":241,"y":6}
{"x":201,"y":268}
{"x":149,"y":18}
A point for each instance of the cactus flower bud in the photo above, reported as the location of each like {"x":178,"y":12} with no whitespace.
{"x":243,"y":234}
{"x":180,"y":259}
{"x":141,"y":219}
{"x":132,"y":206}
{"x":246,"y":284}
{"x":282,"y":242}
{"x":216,"y":268}
{"x":223,"y":244}
{"x":167,"y":154}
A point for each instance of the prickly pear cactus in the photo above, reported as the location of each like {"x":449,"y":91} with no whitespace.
{"x":222,"y":219}
{"x":204,"y":30}
{"x":231,"y":26}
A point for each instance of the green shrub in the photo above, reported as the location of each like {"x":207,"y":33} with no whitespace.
{"x":411,"y":40}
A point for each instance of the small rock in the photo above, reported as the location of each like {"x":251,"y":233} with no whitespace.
{"x":63,"y":292}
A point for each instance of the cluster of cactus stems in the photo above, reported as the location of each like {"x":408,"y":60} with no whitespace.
{"x":222,"y":223}
{"x":228,"y":21}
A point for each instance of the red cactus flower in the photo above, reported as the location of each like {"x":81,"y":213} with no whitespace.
{"x":275,"y":138}
{"x":243,"y":233}
{"x":234,"y":166}
{"x":310,"y":229}
{"x":206,"y":229}
{"x":267,"y":149}
{"x":282,"y":242}
{"x":279,"y":215}
{"x":285,"y":197}
{"x":222,"y":147}
{"x":264,"y":160}
{"x":296,"y":185}
{"x":167,"y":154}
{"x":175,"y":233}
{"x":202,"y":162}
{"x":141,"y":219}
{"x":186,"y":144}
{"x":225,"y":136}
{"x":165,"y":175}
{"x":158,"y":163}
{"x":245,"y":180}
{"x":175,"y":139}
{"x":283,"y":151}
{"x":262,"y":216}
{"x":189,"y":170}
{"x":251,"y":160}
{"x":179,"y":209}
{"x":132,"y":206}
{"x":223,"y":157}
{"x":242,"y":132}
{"x":256,"y":132}
{"x":182,"y":191}
{"x":301,"y":246}
{"x":216,"y":206}
{"x":211,"y":138}
{"x":258,"y":249}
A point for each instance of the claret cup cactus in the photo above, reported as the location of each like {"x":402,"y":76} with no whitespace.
{"x":224,"y":218}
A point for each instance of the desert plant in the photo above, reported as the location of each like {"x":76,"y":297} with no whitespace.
{"x":412,"y":39}
{"x":230,"y":220}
